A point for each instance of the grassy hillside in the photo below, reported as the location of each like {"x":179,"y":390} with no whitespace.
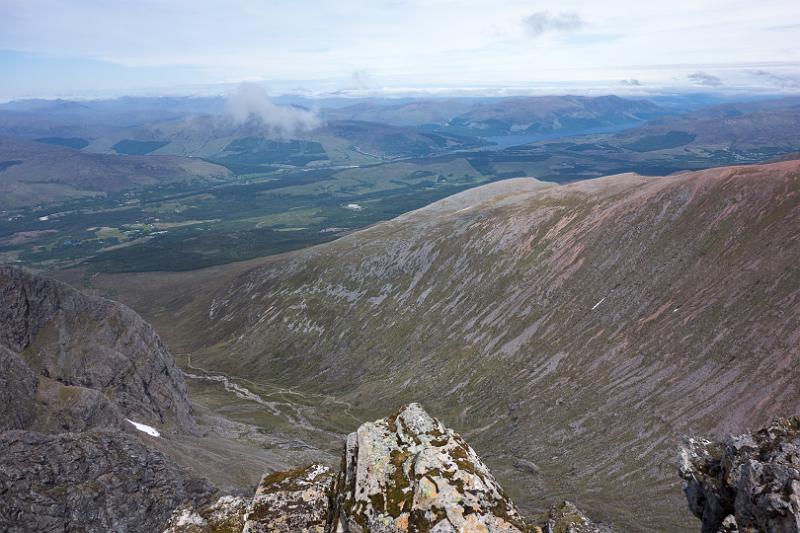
{"x":581,"y":329}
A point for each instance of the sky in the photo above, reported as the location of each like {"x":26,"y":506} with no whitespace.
{"x":88,"y":48}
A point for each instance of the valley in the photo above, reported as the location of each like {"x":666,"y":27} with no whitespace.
{"x":574,"y":365}
{"x":255,"y":196}
{"x":572,"y":305}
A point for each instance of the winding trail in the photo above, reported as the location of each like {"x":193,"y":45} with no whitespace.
{"x":274,"y":406}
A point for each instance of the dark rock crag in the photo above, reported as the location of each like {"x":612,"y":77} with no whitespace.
{"x":746,"y":483}
{"x":89,"y":481}
{"x":406,"y":473}
{"x":75,"y":370}
{"x":95,"y":362}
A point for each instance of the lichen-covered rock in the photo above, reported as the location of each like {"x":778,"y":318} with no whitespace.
{"x":567,"y":518}
{"x":408,"y":472}
{"x":746,"y":482}
{"x":297,"y":501}
{"x":224,"y":515}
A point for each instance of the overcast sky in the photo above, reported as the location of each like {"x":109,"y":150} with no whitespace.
{"x":104,"y":47}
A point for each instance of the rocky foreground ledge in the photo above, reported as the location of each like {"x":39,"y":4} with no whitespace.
{"x":746,"y":483}
{"x":403,"y":473}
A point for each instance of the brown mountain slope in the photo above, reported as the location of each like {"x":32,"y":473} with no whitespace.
{"x":574,"y":333}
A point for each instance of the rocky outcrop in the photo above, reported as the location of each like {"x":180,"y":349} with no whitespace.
{"x":226,"y":514}
{"x":17,"y":392}
{"x":566,"y":518}
{"x":406,"y":473}
{"x":298,"y":500}
{"x":96,"y":361}
{"x":746,"y":482}
{"x":75,"y":372}
{"x":91,"y":481}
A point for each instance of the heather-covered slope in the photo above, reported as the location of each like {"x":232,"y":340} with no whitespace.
{"x":574,"y":333}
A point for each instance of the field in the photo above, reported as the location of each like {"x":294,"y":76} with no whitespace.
{"x":193,"y":225}
{"x":204,"y":196}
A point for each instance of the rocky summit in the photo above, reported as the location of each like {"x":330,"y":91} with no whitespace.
{"x":404,"y":473}
{"x":748,"y":483}
{"x":408,"y":472}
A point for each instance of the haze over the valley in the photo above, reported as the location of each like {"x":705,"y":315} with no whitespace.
{"x":92,"y":48}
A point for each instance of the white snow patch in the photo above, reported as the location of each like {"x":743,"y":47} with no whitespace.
{"x":464,"y":209}
{"x":150,"y":430}
{"x":595,"y":306}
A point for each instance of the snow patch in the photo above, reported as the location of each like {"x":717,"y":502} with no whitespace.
{"x":150,"y":430}
{"x":595,"y":306}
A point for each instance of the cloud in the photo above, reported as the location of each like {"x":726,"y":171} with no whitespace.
{"x":363,"y":80}
{"x":251,"y":104}
{"x":633,"y":82}
{"x":704,"y":78}
{"x":541,"y":22}
{"x":784,"y":82}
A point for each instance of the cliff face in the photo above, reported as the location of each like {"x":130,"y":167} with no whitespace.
{"x":406,"y":473}
{"x":95,"y":362}
{"x":89,"y":481}
{"x":75,"y":373}
{"x":746,"y":482}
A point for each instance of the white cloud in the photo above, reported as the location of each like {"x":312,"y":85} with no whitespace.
{"x":783,"y":82}
{"x":542,"y":22}
{"x":704,"y":78}
{"x":318,"y":44}
{"x":250,"y":103}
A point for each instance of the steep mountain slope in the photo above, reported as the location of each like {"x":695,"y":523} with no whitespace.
{"x":575,"y":331}
{"x":79,"y":375}
{"x":33,"y":173}
{"x":96,"y":361}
